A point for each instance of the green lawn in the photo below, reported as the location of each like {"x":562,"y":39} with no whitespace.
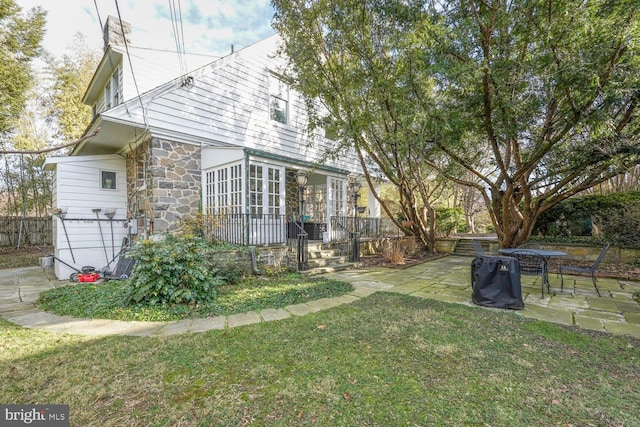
{"x":385,"y":360}
{"x":108,"y":300}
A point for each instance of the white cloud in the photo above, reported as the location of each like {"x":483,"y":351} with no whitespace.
{"x":208,"y":26}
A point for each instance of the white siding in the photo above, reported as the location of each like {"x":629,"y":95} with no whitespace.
{"x":229,"y":104}
{"x":77,"y":191}
{"x":153,"y":68}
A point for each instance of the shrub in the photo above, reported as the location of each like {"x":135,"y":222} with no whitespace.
{"x":199,"y":225}
{"x":231,"y":272}
{"x":597,"y":218}
{"x":393,"y":252}
{"x":174,"y":270}
{"x":411,"y":246}
{"x":449,"y":220}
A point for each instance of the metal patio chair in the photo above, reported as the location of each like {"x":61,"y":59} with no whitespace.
{"x":533,"y":264}
{"x":585,"y":270}
{"x":530,"y":246}
{"x":477,"y":246}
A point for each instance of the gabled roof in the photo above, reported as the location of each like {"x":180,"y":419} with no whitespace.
{"x":151,"y":68}
{"x":126,"y":122}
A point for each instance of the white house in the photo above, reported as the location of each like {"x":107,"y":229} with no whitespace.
{"x":226,"y":139}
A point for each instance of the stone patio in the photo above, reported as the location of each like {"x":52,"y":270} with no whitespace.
{"x":444,"y":279}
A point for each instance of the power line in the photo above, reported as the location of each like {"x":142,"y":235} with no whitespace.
{"x":178,"y":31}
{"x":95,"y":3}
{"x":135,"y":83}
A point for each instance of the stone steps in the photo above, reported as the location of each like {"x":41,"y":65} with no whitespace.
{"x":464,"y":247}
{"x":330,"y":268}
{"x":326,"y":259}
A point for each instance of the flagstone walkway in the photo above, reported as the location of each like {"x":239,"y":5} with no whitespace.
{"x":445,"y":279}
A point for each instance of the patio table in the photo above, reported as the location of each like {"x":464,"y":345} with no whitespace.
{"x":544,"y":253}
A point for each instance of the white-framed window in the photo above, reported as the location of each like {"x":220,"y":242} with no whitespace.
{"x":274,"y":191}
{"x":115,"y":88}
{"x":338,"y":196}
{"x":266,"y":189}
{"x":256,"y":190}
{"x":112,"y":95}
{"x":316,"y":202}
{"x":330,"y":130}
{"x":107,"y":95}
{"x":278,"y":99}
{"x":223,"y":190}
{"x":108,"y":180}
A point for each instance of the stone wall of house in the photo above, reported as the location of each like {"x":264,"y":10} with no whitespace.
{"x":163,"y":183}
{"x":138,"y":190}
{"x":176,"y":182}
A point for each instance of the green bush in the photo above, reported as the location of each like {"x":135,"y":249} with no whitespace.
{"x":594,"y":219}
{"x":449,"y":220}
{"x":230,"y":272}
{"x":174,"y":270}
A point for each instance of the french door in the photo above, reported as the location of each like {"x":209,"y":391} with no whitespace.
{"x":266,"y":203}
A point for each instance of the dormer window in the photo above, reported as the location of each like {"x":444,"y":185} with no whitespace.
{"x":107,"y":96}
{"x":278,"y":100}
{"x":112,"y":91}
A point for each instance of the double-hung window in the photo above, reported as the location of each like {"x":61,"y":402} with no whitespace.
{"x":112,"y":90}
{"x":278,"y":99}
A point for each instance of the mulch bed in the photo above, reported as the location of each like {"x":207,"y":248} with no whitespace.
{"x":417,"y":258}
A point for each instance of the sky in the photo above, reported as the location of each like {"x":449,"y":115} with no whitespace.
{"x":209,"y":26}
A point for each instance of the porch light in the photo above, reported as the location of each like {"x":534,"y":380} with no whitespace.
{"x":302,"y":177}
{"x":355,"y":187}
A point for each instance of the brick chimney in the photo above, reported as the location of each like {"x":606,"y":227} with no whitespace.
{"x":113,"y":32}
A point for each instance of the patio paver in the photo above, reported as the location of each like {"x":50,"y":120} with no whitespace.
{"x":444,"y":279}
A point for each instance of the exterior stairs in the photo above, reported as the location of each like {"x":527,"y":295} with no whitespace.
{"x":324,"y":258}
{"x":464,"y":247}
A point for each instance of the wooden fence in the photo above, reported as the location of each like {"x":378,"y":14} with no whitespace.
{"x":16,"y":231}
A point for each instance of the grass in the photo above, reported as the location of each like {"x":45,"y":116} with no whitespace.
{"x":385,"y":360}
{"x":109,"y":300}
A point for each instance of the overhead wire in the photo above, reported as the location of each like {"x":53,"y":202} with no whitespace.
{"x":178,"y":31}
{"x":133,"y":75}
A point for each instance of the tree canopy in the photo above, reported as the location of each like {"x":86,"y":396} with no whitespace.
{"x":71,"y":75}
{"x":20,"y":38}
{"x":527,"y":102}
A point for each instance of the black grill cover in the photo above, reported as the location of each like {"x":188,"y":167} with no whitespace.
{"x":495,"y":282}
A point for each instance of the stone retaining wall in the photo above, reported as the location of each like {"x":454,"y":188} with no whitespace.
{"x":576,"y":252}
{"x":267,"y":259}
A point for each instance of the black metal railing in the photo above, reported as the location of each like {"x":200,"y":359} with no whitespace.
{"x":271,"y":229}
{"x":299,"y":240}
{"x":342,"y":228}
{"x":247,"y":229}
{"x":368,"y":227}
